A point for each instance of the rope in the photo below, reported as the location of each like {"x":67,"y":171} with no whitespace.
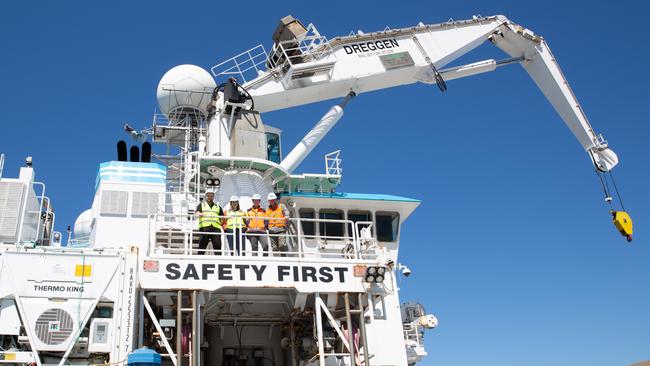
{"x":604,"y":186}
{"x":616,"y":189}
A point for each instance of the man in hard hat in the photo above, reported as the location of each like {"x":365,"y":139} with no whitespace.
{"x":277,"y":215}
{"x":210,"y":223}
{"x":234,"y":225}
{"x":256,"y":226}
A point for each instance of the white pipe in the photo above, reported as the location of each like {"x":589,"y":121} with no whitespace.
{"x":469,"y":69}
{"x":313,"y":137}
{"x":202,"y":144}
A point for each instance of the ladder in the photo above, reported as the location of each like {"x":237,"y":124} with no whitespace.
{"x":348,"y":339}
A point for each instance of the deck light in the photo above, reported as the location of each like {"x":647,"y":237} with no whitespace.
{"x":375,"y":274}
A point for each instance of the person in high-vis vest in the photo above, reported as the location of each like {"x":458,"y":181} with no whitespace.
{"x":208,"y":213}
{"x":276,"y":224}
{"x":235,"y":225}
{"x":256,"y":226}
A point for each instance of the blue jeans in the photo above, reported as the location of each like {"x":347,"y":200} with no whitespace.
{"x":237,"y":240}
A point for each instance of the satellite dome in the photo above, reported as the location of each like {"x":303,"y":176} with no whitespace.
{"x":83,"y":225}
{"x":185,"y":90}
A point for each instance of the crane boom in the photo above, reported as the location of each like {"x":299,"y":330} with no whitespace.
{"x":309,"y":68}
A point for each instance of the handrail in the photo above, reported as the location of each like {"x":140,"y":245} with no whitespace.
{"x":40,"y":197}
{"x":412,"y":332}
{"x":246,"y":65}
{"x":186,"y":225}
{"x":2,"y":163}
{"x":312,"y":46}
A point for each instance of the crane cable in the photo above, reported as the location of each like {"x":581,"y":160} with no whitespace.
{"x":621,"y":219}
{"x":604,"y":183}
{"x":611,"y":176}
{"x":608,"y":198}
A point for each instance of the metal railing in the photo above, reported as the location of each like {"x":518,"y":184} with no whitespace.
{"x":333,"y":163}
{"x":2,"y":163}
{"x":178,"y":234}
{"x":413,"y":332}
{"x":245,"y":66}
{"x":311,"y":47}
{"x":32,"y":217}
{"x":253,"y":62}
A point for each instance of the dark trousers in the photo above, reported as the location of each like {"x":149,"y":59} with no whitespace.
{"x":234,"y":237}
{"x":215,"y":238}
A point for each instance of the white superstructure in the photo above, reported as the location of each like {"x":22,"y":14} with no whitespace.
{"x":133,"y":274}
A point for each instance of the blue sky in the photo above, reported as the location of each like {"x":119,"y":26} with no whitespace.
{"x":512,"y":247}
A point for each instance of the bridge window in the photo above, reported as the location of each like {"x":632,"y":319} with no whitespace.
{"x":387,"y":226}
{"x":331,"y":229}
{"x":356,"y":216}
{"x":273,"y":147}
{"x":308,"y":227}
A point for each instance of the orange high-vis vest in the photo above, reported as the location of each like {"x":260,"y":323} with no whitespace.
{"x":256,"y":224}
{"x":277,"y":213}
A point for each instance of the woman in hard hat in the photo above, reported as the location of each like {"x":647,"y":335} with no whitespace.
{"x":234,"y":225}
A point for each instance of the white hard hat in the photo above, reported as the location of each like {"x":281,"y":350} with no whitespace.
{"x":234,"y":199}
{"x":256,"y":197}
{"x":272,"y":196}
{"x":209,"y":190}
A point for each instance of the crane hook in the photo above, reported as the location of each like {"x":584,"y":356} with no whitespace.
{"x":623,"y":223}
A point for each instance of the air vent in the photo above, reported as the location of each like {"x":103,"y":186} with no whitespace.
{"x":11,"y":197}
{"x":144,"y":204}
{"x":114,"y":203}
{"x":54,"y":326}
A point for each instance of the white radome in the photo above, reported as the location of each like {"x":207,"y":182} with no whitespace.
{"x":82,"y":226}
{"x":185,"y":86}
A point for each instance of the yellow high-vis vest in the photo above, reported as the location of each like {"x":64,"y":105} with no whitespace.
{"x":235,"y":219}
{"x":210,"y":215}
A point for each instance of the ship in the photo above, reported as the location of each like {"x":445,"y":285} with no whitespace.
{"x":211,"y":250}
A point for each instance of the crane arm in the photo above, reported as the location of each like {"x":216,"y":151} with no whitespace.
{"x":309,"y":68}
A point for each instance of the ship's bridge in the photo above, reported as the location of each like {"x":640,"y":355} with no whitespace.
{"x":331,"y":238}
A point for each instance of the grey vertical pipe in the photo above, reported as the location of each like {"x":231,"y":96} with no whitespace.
{"x":348,"y":319}
{"x":199,"y":331}
{"x":195,"y":325}
{"x":362,"y":329}
{"x":179,"y":331}
{"x":141,"y":323}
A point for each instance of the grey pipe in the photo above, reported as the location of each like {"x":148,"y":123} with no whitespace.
{"x":179,"y":332}
{"x":362,"y":330}
{"x":348,"y":319}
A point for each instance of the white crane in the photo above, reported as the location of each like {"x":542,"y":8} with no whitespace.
{"x":304,"y":67}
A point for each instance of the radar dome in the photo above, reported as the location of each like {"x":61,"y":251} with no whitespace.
{"x":185,"y":89}
{"x":83,"y":225}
